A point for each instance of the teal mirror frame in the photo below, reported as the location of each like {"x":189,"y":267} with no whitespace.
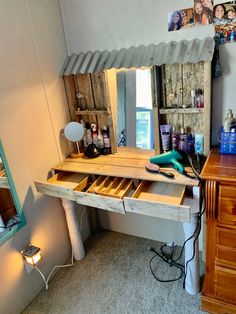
{"x":7,"y":234}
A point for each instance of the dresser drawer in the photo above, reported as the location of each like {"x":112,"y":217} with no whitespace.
{"x":227,"y":204}
{"x":225,"y":284}
{"x":158,"y":199}
{"x":226,"y":237}
{"x":63,"y":184}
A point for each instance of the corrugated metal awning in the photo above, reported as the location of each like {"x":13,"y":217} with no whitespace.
{"x":143,"y":56}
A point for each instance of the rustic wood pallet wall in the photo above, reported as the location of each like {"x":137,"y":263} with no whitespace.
{"x":177,"y":82}
{"x":88,"y":100}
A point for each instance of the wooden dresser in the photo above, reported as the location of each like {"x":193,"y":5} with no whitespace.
{"x":219,"y":288}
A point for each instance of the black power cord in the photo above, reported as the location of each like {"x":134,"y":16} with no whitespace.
{"x":168,"y":258}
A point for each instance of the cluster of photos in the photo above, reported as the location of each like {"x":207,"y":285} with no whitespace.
{"x":223,"y":16}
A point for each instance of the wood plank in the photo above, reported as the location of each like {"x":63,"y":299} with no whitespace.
{"x":100,"y":98}
{"x":89,"y":112}
{"x":99,"y":90}
{"x":212,"y":305}
{"x":122,"y":171}
{"x":110,"y":83}
{"x":173,"y":85}
{"x":86,"y":101}
{"x":155,"y":209}
{"x":155,"y":107}
{"x":100,"y":201}
{"x":71,"y":96}
{"x":181,"y":110}
{"x":207,"y":105}
{"x":54,"y":190}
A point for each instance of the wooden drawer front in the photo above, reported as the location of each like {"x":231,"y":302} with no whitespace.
{"x":225,"y":284}
{"x":158,"y":200}
{"x":105,"y":193}
{"x":226,"y":247}
{"x":226,"y":237}
{"x":62,"y":184}
{"x":227,"y":204}
{"x":226,"y":256}
{"x":99,"y":201}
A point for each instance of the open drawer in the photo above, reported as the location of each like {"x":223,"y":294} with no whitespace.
{"x":105,"y":193}
{"x":158,"y":199}
{"x":63,"y":184}
{"x":120,"y":195}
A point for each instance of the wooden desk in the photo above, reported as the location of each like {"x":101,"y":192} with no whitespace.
{"x":120,"y":183}
{"x":219,"y":289}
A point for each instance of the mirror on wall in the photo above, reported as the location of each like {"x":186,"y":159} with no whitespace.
{"x":134,"y":108}
{"x":11,"y":215}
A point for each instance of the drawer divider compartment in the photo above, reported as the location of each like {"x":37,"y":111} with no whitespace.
{"x":158,"y":199}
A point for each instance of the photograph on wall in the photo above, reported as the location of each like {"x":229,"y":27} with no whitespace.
{"x":180,"y":19}
{"x":203,"y":12}
{"x":224,"y":19}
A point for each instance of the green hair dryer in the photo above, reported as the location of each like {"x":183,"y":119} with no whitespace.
{"x":172,"y":158}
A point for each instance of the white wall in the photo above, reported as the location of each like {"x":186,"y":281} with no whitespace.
{"x":33,"y":111}
{"x":224,"y":89}
{"x":110,"y":24}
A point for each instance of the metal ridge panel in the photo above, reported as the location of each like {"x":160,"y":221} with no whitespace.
{"x":164,"y":53}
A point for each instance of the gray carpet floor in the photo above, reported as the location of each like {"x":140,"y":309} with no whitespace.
{"x":115,"y":277}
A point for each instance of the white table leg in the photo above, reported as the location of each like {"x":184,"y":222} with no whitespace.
{"x":192,"y":280}
{"x":73,"y":227}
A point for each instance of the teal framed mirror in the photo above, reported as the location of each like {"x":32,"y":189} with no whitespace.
{"x":11,"y":214}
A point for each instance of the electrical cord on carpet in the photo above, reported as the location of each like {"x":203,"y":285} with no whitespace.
{"x":46,"y":280}
{"x":168,"y":257}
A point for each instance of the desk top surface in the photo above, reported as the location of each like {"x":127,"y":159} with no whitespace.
{"x":127,"y":163}
{"x":219,"y":167}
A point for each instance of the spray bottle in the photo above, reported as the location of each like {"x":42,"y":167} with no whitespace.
{"x":183,"y":140}
{"x":229,"y":121}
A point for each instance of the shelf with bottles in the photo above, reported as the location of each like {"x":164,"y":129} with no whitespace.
{"x":182,"y":139}
{"x":184,"y":100}
{"x":96,"y":141}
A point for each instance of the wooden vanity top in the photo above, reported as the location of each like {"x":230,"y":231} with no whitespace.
{"x":219,"y":167}
{"x":126,"y":163}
